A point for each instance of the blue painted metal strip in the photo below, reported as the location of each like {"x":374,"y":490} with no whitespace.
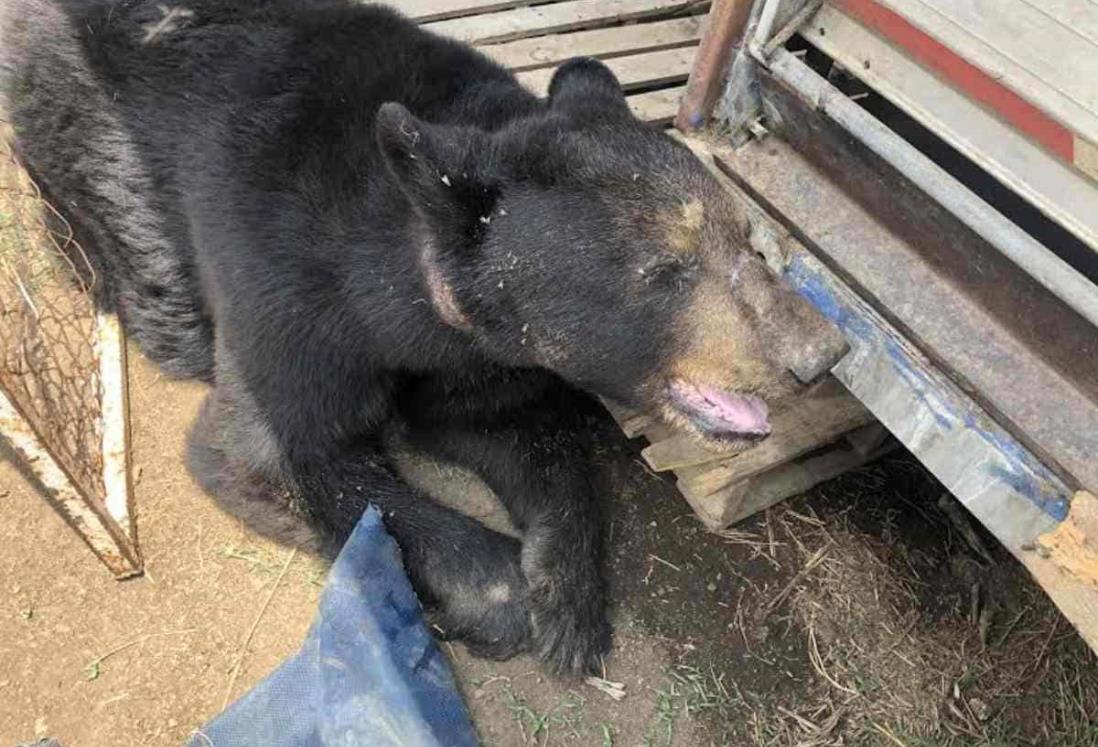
{"x":1016,"y":468}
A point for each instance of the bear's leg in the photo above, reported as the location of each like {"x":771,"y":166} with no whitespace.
{"x":470,"y":574}
{"x":535,"y":459}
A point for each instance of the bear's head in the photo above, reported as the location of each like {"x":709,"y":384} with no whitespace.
{"x":584,"y":241}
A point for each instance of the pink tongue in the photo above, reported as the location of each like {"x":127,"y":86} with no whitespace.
{"x":742,"y":414}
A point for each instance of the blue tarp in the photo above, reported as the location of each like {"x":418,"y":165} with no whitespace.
{"x":368,"y":673}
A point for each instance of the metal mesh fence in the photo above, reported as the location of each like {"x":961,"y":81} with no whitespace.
{"x":49,"y":360}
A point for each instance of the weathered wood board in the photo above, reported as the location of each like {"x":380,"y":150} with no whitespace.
{"x":649,"y":44}
{"x":817,"y":438}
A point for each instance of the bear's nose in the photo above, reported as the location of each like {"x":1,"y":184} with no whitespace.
{"x":815,"y":360}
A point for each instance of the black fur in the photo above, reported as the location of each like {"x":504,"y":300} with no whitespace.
{"x":346,"y":223}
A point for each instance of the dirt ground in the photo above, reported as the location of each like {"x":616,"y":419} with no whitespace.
{"x":857,"y":615}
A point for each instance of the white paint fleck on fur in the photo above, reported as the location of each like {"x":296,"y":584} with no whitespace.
{"x":498,"y":594}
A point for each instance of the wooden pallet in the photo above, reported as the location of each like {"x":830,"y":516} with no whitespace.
{"x":649,"y":44}
{"x":814,"y":439}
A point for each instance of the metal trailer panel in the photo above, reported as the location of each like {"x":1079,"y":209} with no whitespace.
{"x":1046,"y":180}
{"x":1045,"y":52}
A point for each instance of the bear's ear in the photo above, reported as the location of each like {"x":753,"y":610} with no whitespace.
{"x":584,"y":86}
{"x":434,"y":164}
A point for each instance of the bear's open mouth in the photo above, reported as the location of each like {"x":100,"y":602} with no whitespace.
{"x":720,"y":414}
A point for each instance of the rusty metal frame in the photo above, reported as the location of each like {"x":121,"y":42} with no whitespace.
{"x":723,"y":36}
{"x":965,"y":344}
{"x":1039,"y":515}
{"x":105,"y":524}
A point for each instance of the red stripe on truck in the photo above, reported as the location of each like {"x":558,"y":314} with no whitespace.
{"x":965,"y":76}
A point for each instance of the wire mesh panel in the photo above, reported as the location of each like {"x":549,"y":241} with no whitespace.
{"x":62,"y":371}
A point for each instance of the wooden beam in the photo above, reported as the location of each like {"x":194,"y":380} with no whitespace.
{"x":1065,"y":564}
{"x":616,"y":41}
{"x":830,"y":412}
{"x":665,"y":67}
{"x":426,"y":11}
{"x":811,"y":424}
{"x":574,"y":15}
{"x":631,"y":422}
{"x":656,"y":107}
{"x":747,"y":497}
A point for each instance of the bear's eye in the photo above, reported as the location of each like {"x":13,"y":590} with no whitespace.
{"x":666,"y":271}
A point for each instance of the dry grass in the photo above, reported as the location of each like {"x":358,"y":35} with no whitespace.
{"x":914,"y":637}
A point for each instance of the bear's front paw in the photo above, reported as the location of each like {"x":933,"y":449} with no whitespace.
{"x":570,"y":633}
{"x":487,"y":611}
{"x":567,"y":603}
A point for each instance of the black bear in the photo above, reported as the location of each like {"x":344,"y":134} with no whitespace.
{"x":347,"y":224}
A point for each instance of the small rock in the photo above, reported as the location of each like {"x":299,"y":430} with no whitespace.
{"x":979,"y":708}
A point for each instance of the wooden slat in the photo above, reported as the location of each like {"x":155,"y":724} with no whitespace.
{"x":657,"y":107}
{"x":808,"y":426}
{"x":520,"y":23}
{"x":1065,"y":564}
{"x":801,"y":475}
{"x":545,"y":51}
{"x":684,"y":451}
{"x":747,"y":497}
{"x":632,"y":423}
{"x":649,"y":69}
{"x":425,"y":11}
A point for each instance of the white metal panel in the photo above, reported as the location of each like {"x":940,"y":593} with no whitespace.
{"x":1080,"y":16}
{"x":1043,"y":60}
{"x":1058,"y":190}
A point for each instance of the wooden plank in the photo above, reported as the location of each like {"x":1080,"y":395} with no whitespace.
{"x":1073,"y":544}
{"x":868,"y":438}
{"x":657,"y":107}
{"x":1065,"y":563}
{"x":425,"y":11}
{"x":665,"y":67}
{"x":631,"y":422}
{"x":797,"y":477}
{"x":685,"y":451}
{"x":572,"y":15}
{"x":1050,"y":183}
{"x":656,"y":431}
{"x":1012,"y":73}
{"x":808,"y":426}
{"x":716,"y":510}
{"x":747,"y":497}
{"x":616,"y":41}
